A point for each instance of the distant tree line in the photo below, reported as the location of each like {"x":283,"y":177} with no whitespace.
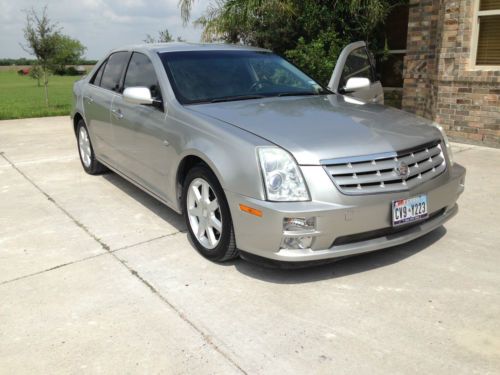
{"x":164,"y":36}
{"x":29,"y":62}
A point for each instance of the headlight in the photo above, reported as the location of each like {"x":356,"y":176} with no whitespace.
{"x":446,"y":142}
{"x":282,"y":177}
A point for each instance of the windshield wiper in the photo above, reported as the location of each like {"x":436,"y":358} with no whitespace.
{"x":298,"y":93}
{"x":237,"y":97}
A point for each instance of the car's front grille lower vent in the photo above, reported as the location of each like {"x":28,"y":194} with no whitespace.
{"x":388,"y":172}
{"x":389,"y":232}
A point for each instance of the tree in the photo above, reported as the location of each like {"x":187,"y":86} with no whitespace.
{"x":41,"y":37}
{"x":68,"y":51}
{"x":252,"y":22}
{"x":309,"y":32}
{"x":164,"y":36}
{"x":36,"y":73}
{"x":52,"y":49}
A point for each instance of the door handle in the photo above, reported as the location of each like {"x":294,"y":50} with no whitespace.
{"x":117,"y":113}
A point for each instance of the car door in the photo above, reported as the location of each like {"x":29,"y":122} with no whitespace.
{"x":99,"y":94}
{"x":354,"y":75}
{"x":140,"y":131}
{"x":96,"y":105}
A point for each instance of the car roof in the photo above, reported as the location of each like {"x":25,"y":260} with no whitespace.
{"x":185,"y":46}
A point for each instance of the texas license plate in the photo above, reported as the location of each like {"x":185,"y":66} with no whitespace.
{"x":406,"y":211}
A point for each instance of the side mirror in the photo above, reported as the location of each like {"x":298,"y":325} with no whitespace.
{"x":356,"y":83}
{"x":138,"y":95}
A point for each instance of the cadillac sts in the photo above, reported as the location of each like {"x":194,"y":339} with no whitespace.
{"x":260,"y":158}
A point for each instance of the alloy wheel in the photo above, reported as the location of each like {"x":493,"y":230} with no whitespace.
{"x":84,"y":146}
{"x":204,"y":213}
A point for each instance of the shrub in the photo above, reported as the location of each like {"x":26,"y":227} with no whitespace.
{"x":71,"y":71}
{"x":318,"y":57}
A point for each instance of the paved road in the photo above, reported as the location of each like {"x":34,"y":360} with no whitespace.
{"x":97,"y":277}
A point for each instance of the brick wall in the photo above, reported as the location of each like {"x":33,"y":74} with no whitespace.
{"x":438,"y":81}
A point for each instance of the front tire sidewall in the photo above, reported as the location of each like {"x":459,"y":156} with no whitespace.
{"x":220,"y":252}
{"x":95,"y":167}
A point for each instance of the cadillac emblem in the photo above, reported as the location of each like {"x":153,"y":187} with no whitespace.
{"x":403,"y":170}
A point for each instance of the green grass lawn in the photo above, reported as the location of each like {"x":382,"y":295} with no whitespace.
{"x":20,"y":96}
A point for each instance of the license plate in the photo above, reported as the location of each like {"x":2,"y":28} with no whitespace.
{"x":406,"y":211}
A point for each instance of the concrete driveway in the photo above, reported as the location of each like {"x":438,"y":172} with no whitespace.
{"x":97,"y":277}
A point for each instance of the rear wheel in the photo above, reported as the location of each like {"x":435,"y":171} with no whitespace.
{"x":207,"y":215}
{"x":86,"y":152}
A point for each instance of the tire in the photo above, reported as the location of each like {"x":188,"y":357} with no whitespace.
{"x":86,"y":152}
{"x":201,"y":217}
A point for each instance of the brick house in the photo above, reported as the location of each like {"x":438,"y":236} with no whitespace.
{"x":452,"y":67}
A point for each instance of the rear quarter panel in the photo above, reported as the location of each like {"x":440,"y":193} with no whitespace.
{"x":77,"y":106}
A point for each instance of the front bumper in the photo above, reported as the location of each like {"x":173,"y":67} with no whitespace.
{"x":345,"y":225}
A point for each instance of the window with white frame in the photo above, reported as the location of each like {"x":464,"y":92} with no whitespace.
{"x":486,"y":35}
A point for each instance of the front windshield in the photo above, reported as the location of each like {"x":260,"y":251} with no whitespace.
{"x":212,"y":76}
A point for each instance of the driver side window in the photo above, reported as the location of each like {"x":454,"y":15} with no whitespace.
{"x":358,"y":64}
{"x":141,"y":72}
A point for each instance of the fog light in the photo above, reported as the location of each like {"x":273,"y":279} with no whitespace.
{"x":294,"y":224}
{"x":303,"y":242}
{"x":298,"y":232}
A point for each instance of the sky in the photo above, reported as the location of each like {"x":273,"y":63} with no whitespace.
{"x":101,"y":25}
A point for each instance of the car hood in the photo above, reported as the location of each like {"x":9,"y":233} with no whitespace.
{"x":318,"y":128}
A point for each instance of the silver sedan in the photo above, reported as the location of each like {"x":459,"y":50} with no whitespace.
{"x":261,"y":159}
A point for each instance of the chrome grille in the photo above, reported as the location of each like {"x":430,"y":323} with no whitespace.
{"x":378,"y":173}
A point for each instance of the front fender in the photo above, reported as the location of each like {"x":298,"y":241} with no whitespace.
{"x":229,"y":151}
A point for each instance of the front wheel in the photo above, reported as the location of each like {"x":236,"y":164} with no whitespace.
{"x":207,"y":215}
{"x":86,"y":151}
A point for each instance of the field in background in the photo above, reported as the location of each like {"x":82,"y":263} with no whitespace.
{"x":20,"y":96}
